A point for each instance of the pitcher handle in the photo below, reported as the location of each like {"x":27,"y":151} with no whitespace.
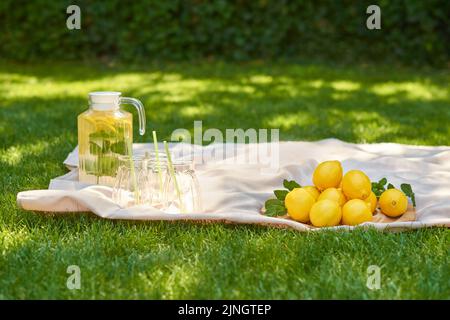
{"x":141,"y":112}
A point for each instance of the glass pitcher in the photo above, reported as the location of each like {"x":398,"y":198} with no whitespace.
{"x":105,"y":132}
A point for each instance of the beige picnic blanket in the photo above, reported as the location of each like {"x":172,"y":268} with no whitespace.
{"x":234,"y":187}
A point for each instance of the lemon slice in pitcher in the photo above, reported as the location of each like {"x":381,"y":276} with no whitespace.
{"x":105,"y":125}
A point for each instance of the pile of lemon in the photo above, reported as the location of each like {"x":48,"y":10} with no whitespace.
{"x":341,"y":199}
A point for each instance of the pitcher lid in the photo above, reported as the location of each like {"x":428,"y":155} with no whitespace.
{"x":104,"y":100}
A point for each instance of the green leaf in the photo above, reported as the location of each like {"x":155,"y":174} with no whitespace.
{"x":281,"y":194}
{"x":413,"y":199}
{"x":290,"y":185}
{"x":107,"y":166}
{"x":406,"y":188}
{"x":275,"y":207}
{"x":382,"y":182}
{"x":106,"y":146}
{"x":101,"y":135}
{"x":273,"y":202}
{"x":390,"y":186}
{"x":94,"y":148}
{"x":274,"y":211}
{"x":377,"y":189}
{"x":119,"y":147}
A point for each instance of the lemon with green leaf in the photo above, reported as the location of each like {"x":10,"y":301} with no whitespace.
{"x":298,"y":203}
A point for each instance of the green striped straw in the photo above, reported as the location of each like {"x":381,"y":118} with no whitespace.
{"x":155,"y":144}
{"x":172,"y":173}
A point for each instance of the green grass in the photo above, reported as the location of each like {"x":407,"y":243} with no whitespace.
{"x":119,"y":259}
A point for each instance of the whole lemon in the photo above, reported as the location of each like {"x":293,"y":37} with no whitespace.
{"x":356,"y":211}
{"x":327,"y":174}
{"x":372,"y":201}
{"x":312,"y":191}
{"x":298,"y":203}
{"x":393,"y":202}
{"x":325,"y":213}
{"x":334,"y":195}
{"x":356,"y":185}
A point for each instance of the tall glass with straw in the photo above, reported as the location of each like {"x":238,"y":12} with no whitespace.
{"x":174,"y":179}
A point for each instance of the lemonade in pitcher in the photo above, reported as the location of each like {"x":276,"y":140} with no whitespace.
{"x":105,"y":132}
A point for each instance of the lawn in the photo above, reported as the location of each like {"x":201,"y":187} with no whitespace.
{"x":119,"y":259}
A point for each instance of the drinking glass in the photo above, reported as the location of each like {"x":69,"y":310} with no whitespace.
{"x":132,"y":181}
{"x":144,"y":180}
{"x":182,"y":191}
{"x":156,"y":175}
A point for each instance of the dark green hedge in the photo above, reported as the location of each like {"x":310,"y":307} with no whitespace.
{"x":413,"y":32}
